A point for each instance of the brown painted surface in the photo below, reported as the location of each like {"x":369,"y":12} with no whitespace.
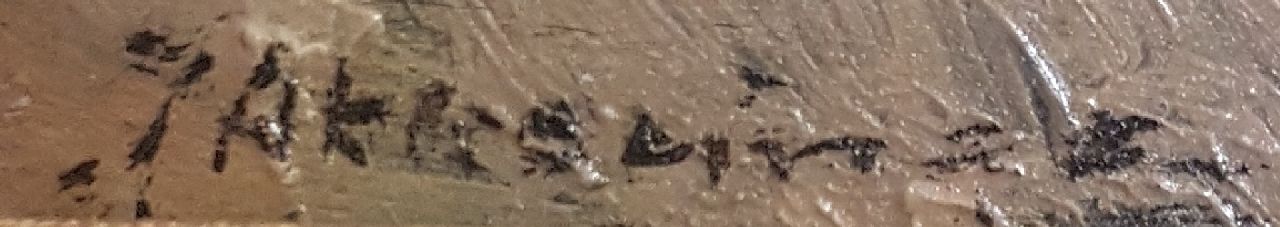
{"x":646,"y":113}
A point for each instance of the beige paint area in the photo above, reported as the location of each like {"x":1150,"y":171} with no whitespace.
{"x":424,"y":112}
